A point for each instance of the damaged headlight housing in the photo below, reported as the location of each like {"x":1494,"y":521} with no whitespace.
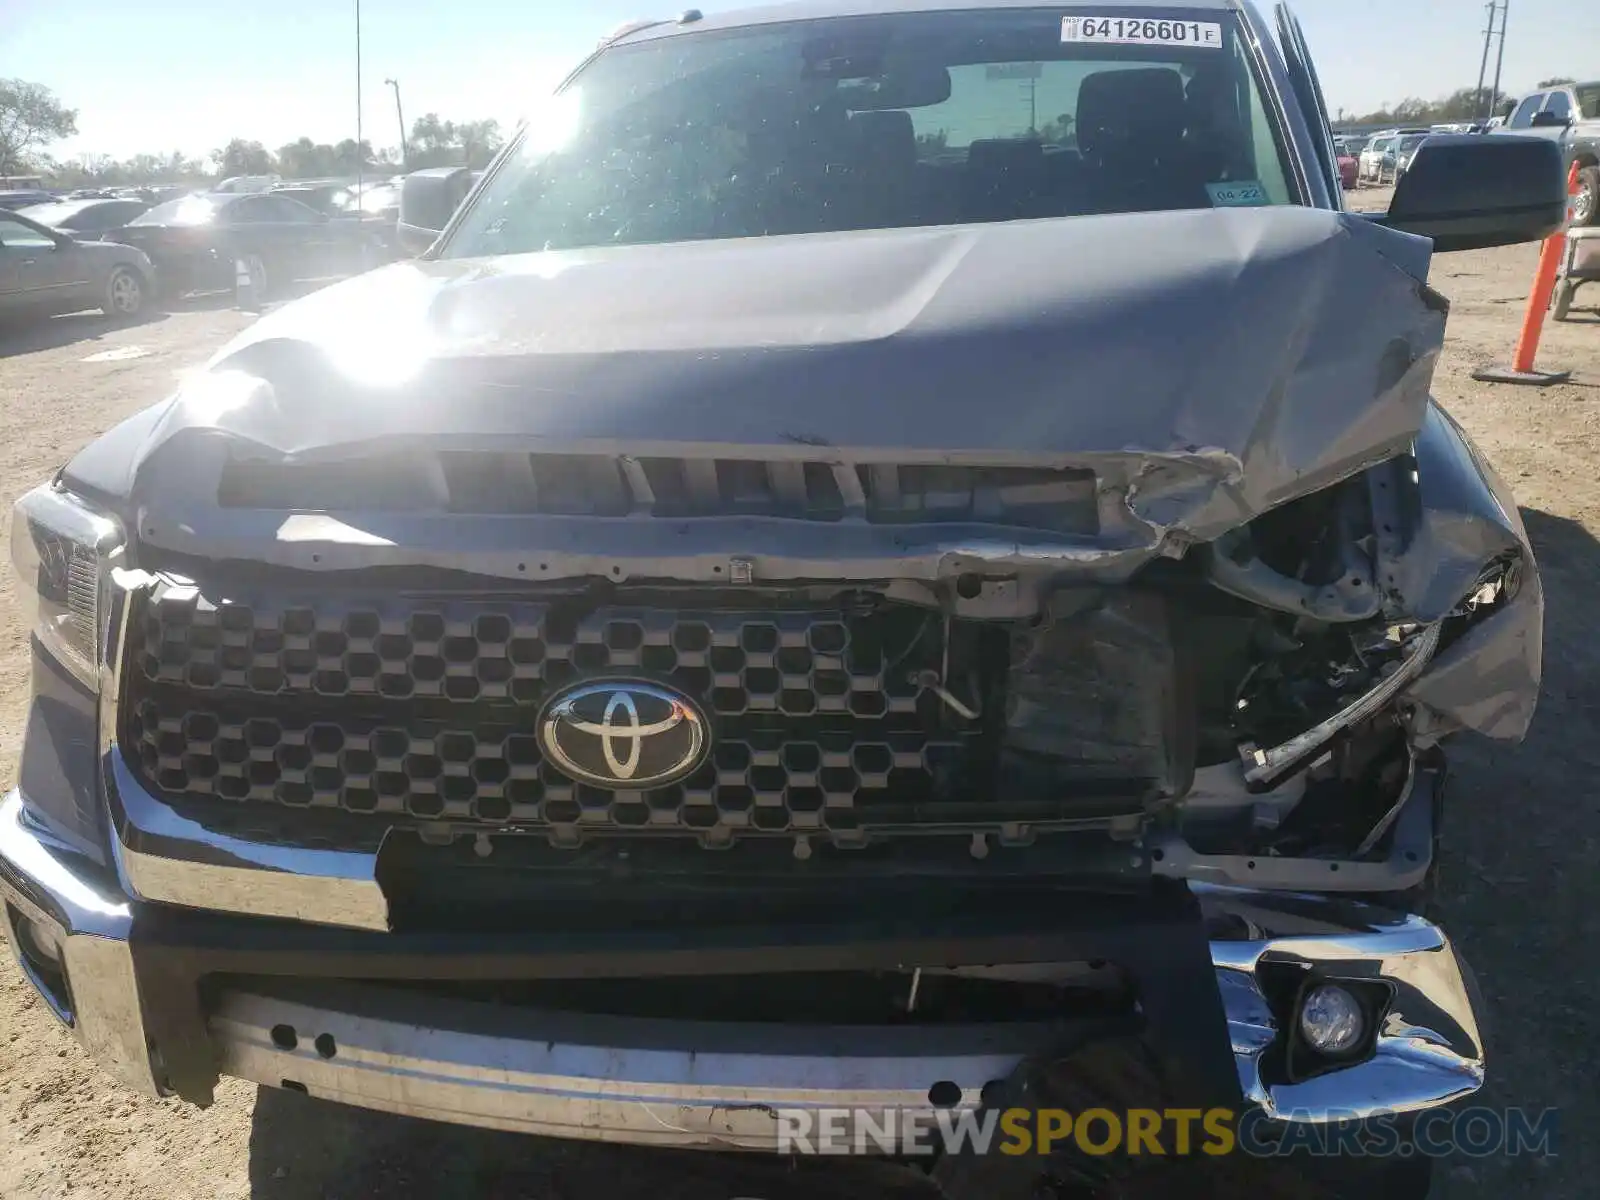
{"x":62,"y":551}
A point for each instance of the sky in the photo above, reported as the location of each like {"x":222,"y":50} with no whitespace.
{"x":162,"y":75}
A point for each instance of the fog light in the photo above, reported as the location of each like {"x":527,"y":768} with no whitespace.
{"x":40,"y":940}
{"x":1332,"y":1020}
{"x":46,"y":940}
{"x":38,"y":949}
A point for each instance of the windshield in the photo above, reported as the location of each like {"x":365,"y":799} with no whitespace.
{"x":190,"y":210}
{"x":881,"y":122}
{"x":1411,"y":143}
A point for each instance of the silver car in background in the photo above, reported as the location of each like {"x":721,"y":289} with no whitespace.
{"x":45,"y":271}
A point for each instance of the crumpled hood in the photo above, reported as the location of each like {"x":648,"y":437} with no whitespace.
{"x":1228,"y":360}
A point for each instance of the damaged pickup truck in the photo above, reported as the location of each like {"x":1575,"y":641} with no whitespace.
{"x":822,"y":586}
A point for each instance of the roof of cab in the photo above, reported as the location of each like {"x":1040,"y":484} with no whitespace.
{"x":808,"y":10}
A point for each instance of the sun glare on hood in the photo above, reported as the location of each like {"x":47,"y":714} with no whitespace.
{"x":387,"y":338}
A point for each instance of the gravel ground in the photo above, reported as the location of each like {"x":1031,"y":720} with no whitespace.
{"x":1521,"y":840}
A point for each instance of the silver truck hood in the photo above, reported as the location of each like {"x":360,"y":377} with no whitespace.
{"x":1210,"y":364}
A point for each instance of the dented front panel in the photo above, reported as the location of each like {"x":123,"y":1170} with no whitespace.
{"x":1198,"y":367}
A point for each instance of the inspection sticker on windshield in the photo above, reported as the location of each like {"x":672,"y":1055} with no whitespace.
{"x":1141,"y":31}
{"x":1244,"y":194}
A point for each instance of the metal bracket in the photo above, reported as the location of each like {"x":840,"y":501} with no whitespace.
{"x":1410,"y":856}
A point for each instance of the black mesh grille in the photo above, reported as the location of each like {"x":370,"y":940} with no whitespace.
{"x":423,"y":708}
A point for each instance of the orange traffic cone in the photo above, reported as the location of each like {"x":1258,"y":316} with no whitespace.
{"x":1544,"y":286}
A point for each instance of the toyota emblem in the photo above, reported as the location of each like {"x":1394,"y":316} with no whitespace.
{"x":623,"y":733}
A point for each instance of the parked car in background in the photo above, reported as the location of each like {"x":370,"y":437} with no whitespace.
{"x":379,"y":200}
{"x":1378,"y":159}
{"x":197,"y":241}
{"x":1404,"y":152}
{"x":331,"y":199}
{"x":1349,"y":166}
{"x":157,"y":193}
{"x":244,"y":184}
{"x":376,"y":205}
{"x":1570,"y":114}
{"x":85,"y":218}
{"x":44,"y":271}
{"x":22,"y":197}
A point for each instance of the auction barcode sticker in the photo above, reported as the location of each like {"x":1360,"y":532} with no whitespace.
{"x":1141,"y":31}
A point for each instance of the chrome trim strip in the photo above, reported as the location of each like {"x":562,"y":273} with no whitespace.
{"x":91,"y":928}
{"x":169,"y":858}
{"x":35,"y":869}
{"x":165,"y":857}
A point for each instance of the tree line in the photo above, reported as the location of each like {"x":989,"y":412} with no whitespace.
{"x":1463,"y":104}
{"x":32,"y":118}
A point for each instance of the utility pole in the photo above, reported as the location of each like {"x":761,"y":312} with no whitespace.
{"x":1483,"y":65}
{"x":399,"y":113}
{"x":1494,"y":95}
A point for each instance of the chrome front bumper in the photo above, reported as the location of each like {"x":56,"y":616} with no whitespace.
{"x":690,"y":1083}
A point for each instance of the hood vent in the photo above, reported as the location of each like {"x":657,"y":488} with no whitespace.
{"x":592,"y":485}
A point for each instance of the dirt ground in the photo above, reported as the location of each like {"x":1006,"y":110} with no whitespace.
{"x":1521,"y":840}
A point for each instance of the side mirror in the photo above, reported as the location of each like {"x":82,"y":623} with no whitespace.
{"x":1468,"y":192}
{"x":1549,"y":120}
{"x":415,"y":241}
{"x":428,"y":199}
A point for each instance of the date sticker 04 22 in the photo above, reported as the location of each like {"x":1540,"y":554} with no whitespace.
{"x":1141,"y":31}
{"x":1245,"y":194}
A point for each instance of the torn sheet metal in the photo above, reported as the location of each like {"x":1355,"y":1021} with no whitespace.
{"x":1488,"y":680}
{"x":1207,"y":364}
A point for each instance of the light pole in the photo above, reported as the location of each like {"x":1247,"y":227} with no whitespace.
{"x":1483,"y":66}
{"x":399,"y":113}
{"x":1500,"y":58}
{"x":360,"y":157}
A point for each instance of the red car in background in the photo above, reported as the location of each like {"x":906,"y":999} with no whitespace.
{"x":1347,"y":171}
{"x":1349,"y":166}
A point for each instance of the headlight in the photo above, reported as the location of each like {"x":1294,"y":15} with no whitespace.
{"x":61,"y":551}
